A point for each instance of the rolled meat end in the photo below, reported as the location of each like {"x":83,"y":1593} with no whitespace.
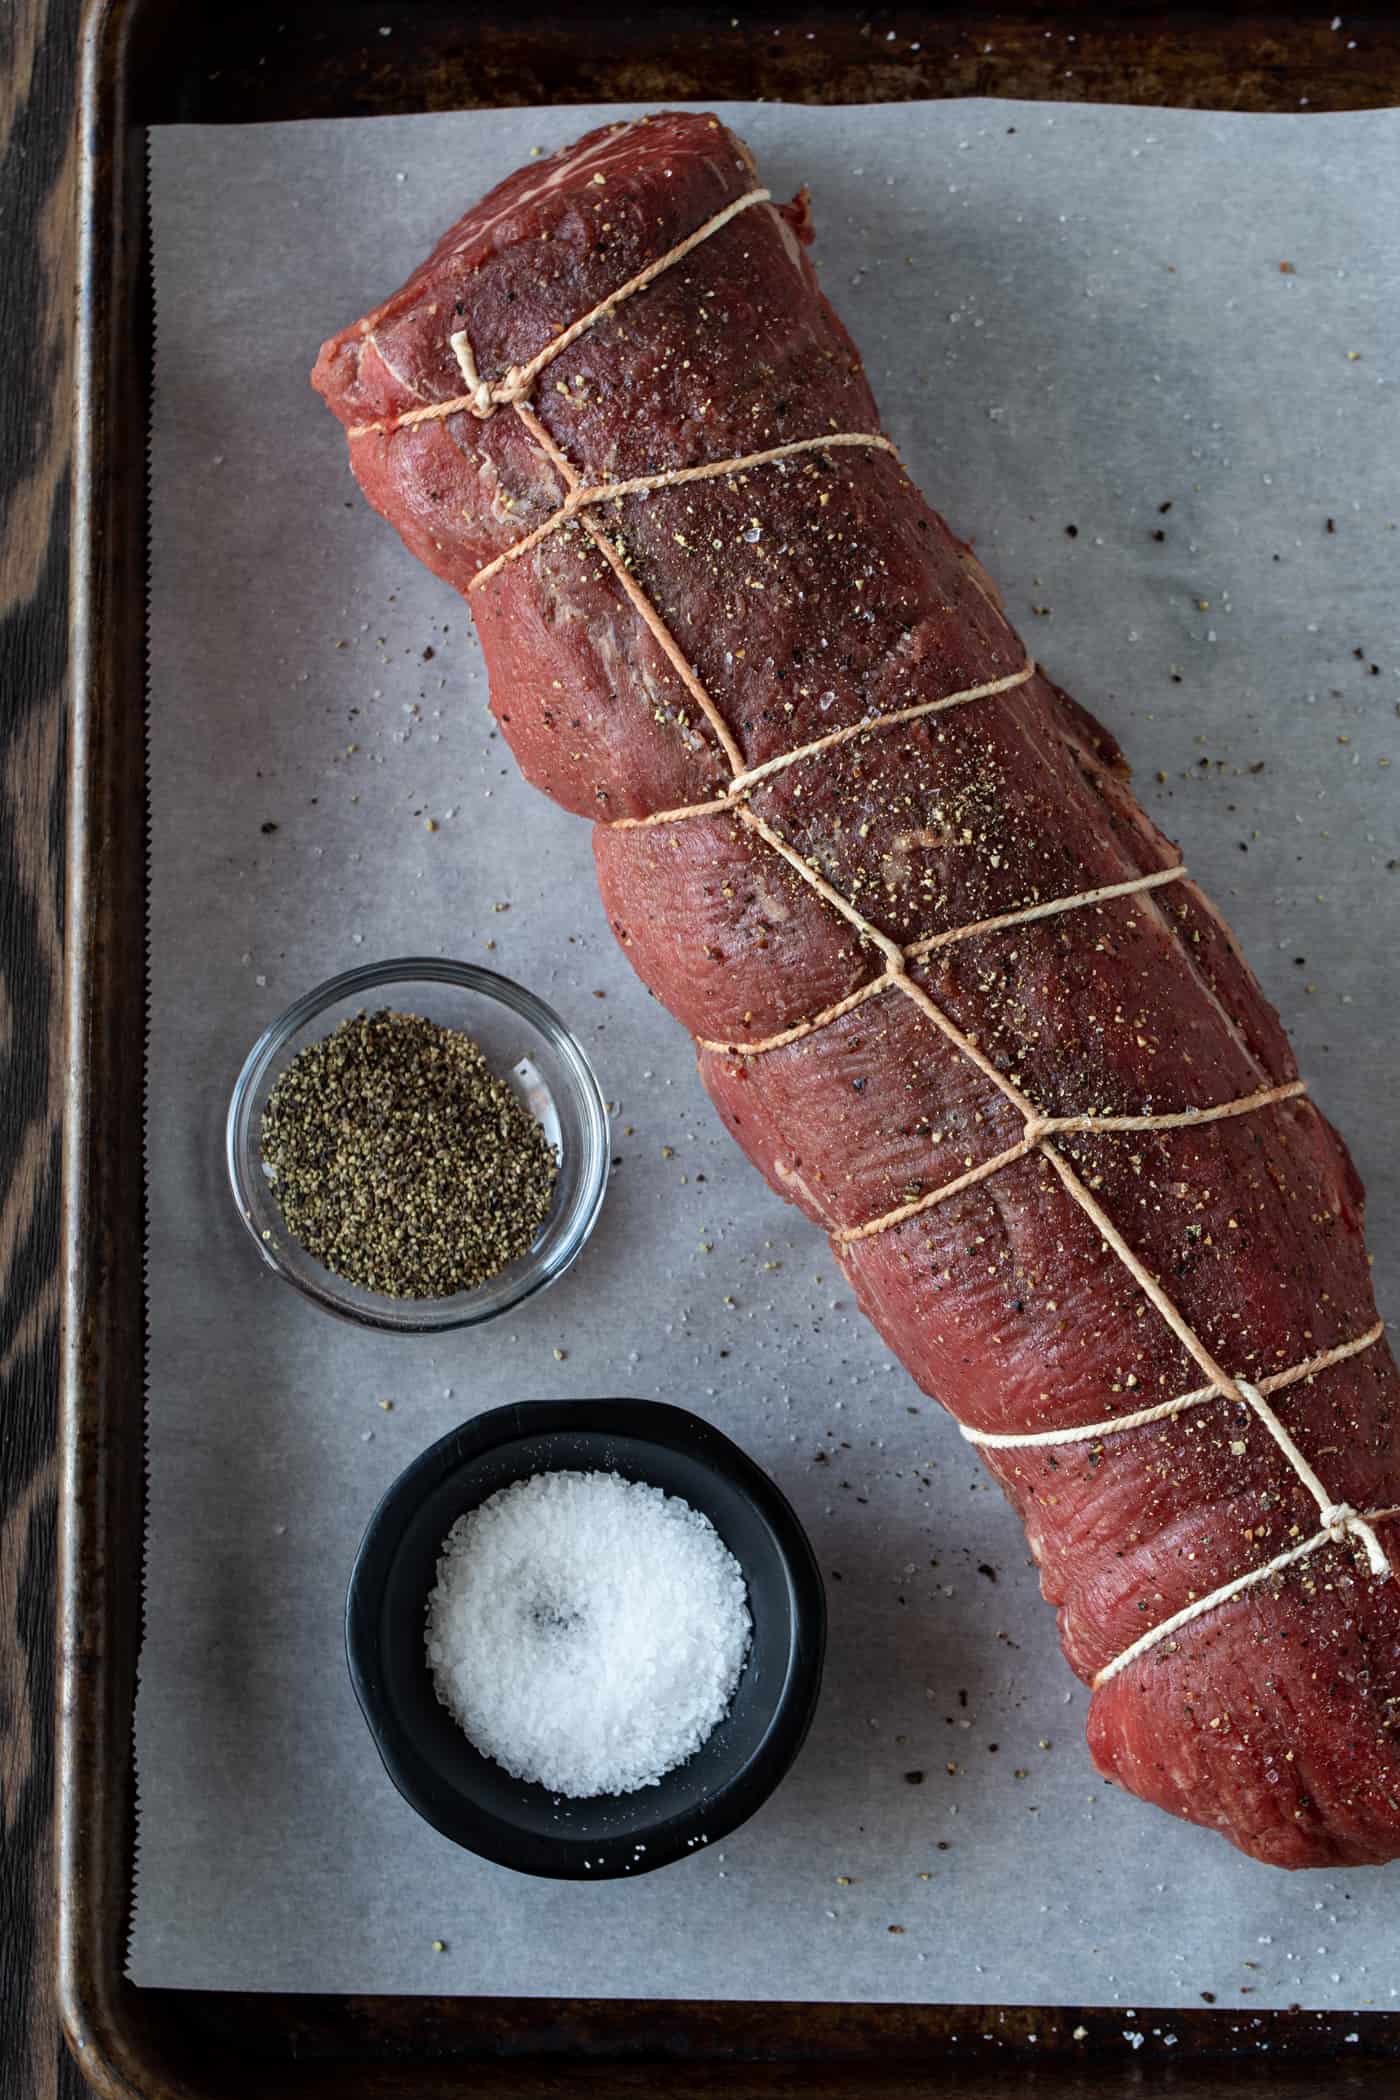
{"x":953,"y":992}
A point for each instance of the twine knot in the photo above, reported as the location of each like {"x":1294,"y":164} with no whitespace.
{"x":1341,"y":1522}
{"x":1337,"y":1521}
{"x":482,"y":398}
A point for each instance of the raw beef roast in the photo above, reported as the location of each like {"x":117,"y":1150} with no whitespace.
{"x":820,"y":926}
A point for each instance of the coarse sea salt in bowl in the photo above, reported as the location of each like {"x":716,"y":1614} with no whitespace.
{"x":475,"y":1800}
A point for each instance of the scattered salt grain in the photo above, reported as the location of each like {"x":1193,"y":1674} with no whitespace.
{"x":587,"y":1632}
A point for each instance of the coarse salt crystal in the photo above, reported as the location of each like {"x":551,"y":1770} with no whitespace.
{"x":587,"y":1632}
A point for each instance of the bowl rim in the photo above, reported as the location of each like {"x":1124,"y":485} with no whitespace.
{"x":387,"y":1315}
{"x":675,"y":1836}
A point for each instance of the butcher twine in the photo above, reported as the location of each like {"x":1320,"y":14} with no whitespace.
{"x":483,"y":397}
{"x":1338,"y":1521}
{"x":585,"y":498}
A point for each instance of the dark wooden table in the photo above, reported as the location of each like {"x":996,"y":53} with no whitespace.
{"x":37,"y":44}
{"x":1251,"y":57}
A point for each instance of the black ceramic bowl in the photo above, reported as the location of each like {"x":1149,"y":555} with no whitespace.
{"x":474,"y":1800}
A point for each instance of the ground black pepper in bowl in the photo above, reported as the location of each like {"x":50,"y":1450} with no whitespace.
{"x":401,"y":1161}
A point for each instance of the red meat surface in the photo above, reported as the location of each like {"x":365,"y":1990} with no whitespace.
{"x":809,"y":597}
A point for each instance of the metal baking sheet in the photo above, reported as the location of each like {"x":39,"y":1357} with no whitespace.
{"x":1071,"y":317}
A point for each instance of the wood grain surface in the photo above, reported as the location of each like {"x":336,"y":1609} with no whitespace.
{"x":37,"y":45}
{"x":233,"y":59}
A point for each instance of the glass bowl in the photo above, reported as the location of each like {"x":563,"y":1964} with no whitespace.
{"x":523,"y":1040}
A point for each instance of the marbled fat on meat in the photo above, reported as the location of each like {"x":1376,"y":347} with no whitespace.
{"x":817,"y":594}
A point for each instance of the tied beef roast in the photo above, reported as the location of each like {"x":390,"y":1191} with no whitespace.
{"x":952,"y":991}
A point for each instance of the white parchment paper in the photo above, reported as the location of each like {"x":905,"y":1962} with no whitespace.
{"x":1147,"y":359}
